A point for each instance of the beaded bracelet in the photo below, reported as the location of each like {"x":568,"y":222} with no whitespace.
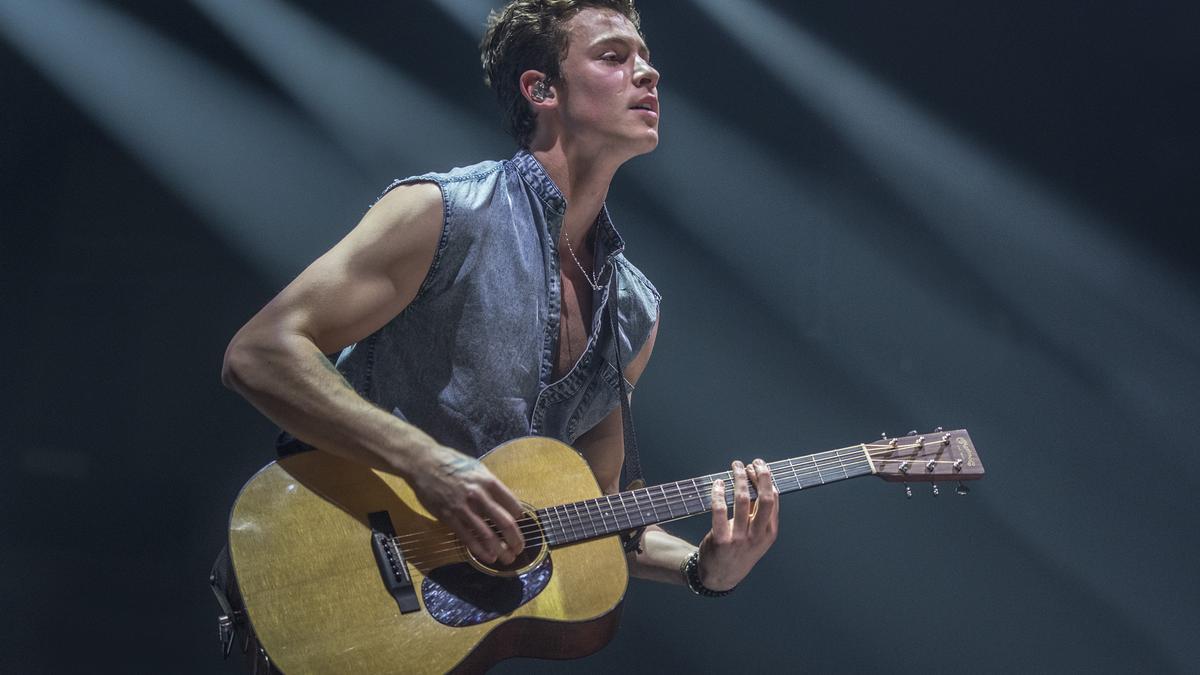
{"x":690,"y":569}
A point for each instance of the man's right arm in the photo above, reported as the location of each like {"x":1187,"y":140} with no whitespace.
{"x":276,"y":361}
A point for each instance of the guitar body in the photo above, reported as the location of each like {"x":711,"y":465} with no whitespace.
{"x":300,"y":538}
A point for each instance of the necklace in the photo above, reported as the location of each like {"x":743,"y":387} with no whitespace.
{"x":594,"y":282}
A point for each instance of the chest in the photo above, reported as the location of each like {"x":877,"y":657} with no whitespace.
{"x":575,"y":322}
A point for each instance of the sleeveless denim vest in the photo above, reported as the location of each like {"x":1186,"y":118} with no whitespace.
{"x":470,"y":360}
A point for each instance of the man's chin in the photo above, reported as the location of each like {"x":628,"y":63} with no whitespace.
{"x":649,"y":143}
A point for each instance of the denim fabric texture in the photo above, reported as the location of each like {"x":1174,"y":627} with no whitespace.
{"x":470,"y":360}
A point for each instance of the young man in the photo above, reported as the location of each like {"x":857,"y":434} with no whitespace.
{"x":470,"y":307}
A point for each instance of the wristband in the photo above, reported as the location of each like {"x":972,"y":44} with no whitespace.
{"x":690,"y":569}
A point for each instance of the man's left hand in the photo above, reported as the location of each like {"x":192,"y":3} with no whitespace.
{"x":734,"y":545}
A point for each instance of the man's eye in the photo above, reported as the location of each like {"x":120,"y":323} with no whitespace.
{"x":611,"y":57}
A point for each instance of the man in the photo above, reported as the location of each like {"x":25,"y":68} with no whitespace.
{"x":470,"y":307}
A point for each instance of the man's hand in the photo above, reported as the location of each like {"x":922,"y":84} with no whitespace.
{"x":734,"y":545}
{"x":461,"y":493}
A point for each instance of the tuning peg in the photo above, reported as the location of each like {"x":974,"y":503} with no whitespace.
{"x":908,"y":490}
{"x":883,"y":436}
{"x":938,"y":430}
{"x":912,"y":432}
{"x":961,"y":489}
{"x":935,"y":490}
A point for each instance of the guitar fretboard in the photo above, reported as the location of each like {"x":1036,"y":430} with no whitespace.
{"x":610,"y":514}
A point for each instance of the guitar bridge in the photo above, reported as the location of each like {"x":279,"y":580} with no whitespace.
{"x":390,"y":559}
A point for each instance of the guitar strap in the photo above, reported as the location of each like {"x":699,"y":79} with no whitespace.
{"x":631,"y":468}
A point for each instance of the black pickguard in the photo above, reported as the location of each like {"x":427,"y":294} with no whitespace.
{"x":459,"y":595}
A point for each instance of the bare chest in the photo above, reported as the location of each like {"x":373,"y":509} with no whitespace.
{"x":574,"y":323}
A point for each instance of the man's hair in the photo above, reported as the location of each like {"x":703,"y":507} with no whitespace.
{"x":530,"y":35}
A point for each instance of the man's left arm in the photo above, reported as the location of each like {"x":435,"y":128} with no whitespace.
{"x":732,"y":546}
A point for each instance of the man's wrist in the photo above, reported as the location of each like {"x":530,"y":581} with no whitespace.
{"x":410,"y":452}
{"x":690,"y":570}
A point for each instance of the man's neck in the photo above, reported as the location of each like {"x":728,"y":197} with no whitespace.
{"x":583,"y":178}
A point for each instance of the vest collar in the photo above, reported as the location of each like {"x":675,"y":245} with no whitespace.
{"x":610,"y":243}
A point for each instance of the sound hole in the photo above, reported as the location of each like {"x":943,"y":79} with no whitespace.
{"x":460,"y":595}
{"x":531,"y":554}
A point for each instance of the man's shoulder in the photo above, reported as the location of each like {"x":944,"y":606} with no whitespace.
{"x":463,"y":188}
{"x":477,"y":171}
{"x":473,"y":172}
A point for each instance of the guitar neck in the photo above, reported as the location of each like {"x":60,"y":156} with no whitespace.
{"x":632,"y":509}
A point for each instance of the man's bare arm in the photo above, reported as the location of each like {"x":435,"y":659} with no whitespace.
{"x":276,"y":361}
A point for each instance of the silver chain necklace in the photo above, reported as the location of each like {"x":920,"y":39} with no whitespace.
{"x":593,"y":282}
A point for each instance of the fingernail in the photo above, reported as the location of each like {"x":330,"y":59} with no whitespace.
{"x":738,"y":465}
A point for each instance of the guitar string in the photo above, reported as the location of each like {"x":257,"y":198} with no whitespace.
{"x":576,"y":526}
{"x":456,"y":552}
{"x":709,"y":478}
{"x":699,"y":490}
{"x":579,"y":522}
{"x":451,"y":544}
{"x":579,"y":526}
{"x":583,"y":519}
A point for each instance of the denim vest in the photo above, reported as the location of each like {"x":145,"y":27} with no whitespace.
{"x":470,"y":360}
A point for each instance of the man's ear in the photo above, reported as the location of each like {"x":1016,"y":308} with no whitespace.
{"x":536,"y":89}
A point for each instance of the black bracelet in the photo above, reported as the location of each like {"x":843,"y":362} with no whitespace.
{"x":690,"y":569}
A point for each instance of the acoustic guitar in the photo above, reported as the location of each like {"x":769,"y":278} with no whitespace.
{"x":343,"y":571}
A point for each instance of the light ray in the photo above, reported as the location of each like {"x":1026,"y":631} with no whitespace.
{"x":261,"y":177}
{"x":385,"y":119}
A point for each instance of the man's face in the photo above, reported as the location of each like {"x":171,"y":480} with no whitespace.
{"x":608,"y":83}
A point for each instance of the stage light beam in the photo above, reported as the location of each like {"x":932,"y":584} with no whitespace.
{"x":257,"y":173}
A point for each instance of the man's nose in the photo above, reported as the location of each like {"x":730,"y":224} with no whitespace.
{"x":645,"y":75}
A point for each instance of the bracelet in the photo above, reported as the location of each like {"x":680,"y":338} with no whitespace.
{"x":690,"y":569}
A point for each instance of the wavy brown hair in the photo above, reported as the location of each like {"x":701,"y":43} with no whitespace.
{"x":531,"y":35}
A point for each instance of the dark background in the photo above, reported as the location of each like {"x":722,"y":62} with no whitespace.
{"x":863,"y":217}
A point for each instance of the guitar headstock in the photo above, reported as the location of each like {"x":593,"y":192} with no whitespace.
{"x":933,"y":457}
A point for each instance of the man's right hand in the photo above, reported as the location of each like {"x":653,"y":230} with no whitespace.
{"x":464,"y":495}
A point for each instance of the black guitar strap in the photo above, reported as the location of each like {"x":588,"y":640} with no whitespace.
{"x":631,"y":468}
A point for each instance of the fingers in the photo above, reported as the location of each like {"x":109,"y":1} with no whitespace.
{"x":766,"y":508}
{"x":721,"y":527}
{"x":505,"y":511}
{"x":479,"y":538}
{"x":741,"y":498}
{"x":487,"y":530}
{"x":473,"y":503}
{"x":502,"y":537}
